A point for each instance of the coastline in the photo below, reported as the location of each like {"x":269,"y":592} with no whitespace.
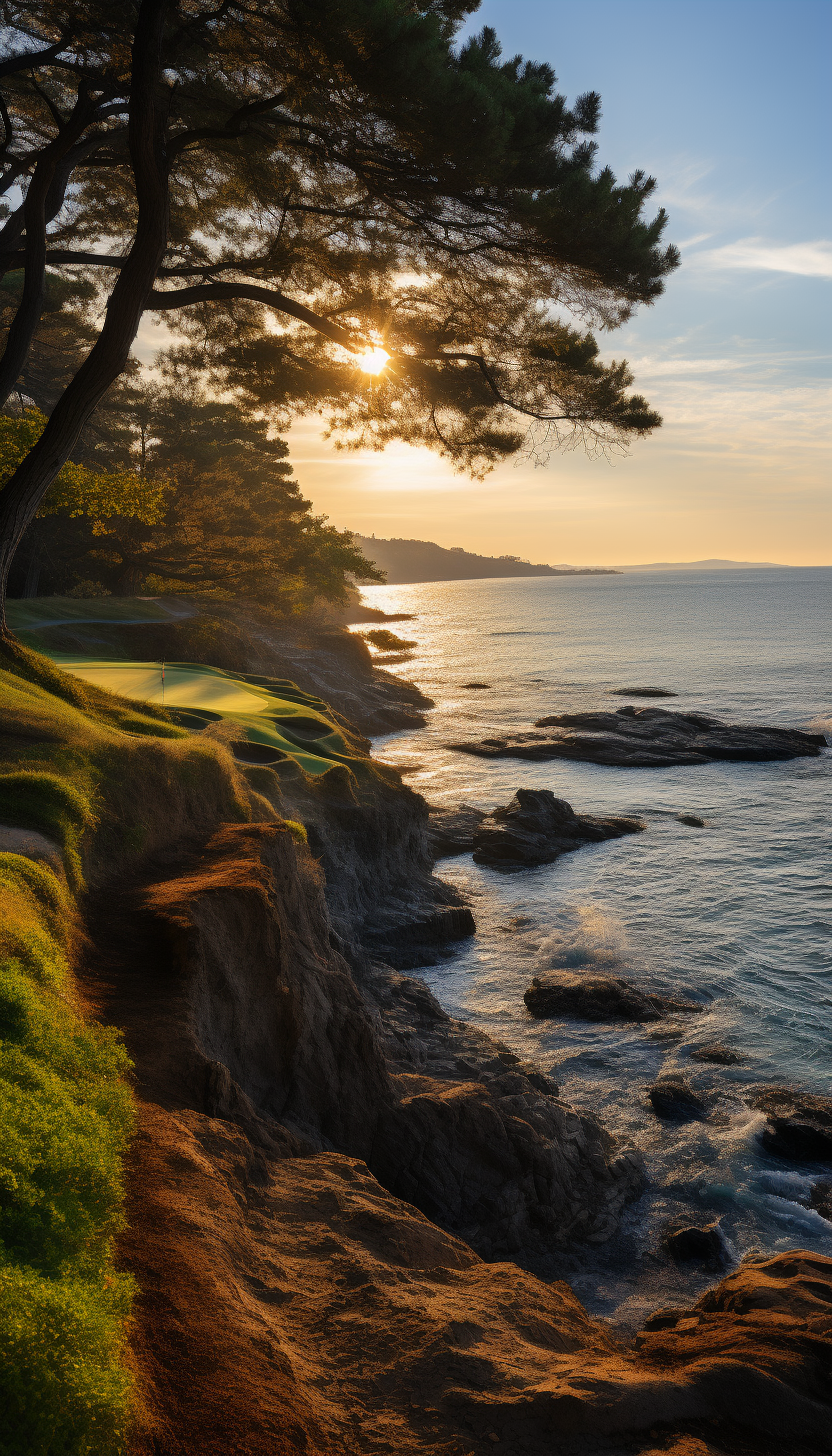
{"x":324,"y":1157}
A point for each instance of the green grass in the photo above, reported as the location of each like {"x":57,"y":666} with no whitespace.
{"x":31,"y":613}
{"x":34,"y":799}
{"x":66,"y":1114}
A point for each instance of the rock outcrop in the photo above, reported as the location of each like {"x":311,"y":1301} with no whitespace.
{"x":598,"y":998}
{"x":673,"y":1097}
{"x":452,"y":830}
{"x":798,"y":1125}
{"x":648,"y":738}
{"x":270,"y":1026}
{"x":536,"y":828}
{"x":718,"y":1053}
{"x":292,"y":1305}
{"x":702,"y":1243}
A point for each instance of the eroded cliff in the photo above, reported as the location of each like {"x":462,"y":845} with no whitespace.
{"x":329,"y":1174}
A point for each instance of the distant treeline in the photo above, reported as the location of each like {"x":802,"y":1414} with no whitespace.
{"x":406,"y":561}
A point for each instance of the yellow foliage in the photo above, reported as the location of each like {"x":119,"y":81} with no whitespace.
{"x":77,"y":490}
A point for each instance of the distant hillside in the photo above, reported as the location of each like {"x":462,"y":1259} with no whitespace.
{"x":409,"y":561}
{"x":713,"y":563}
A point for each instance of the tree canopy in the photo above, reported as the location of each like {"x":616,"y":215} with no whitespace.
{"x":212,"y":508}
{"x":99,"y":495}
{"x":291,"y":183}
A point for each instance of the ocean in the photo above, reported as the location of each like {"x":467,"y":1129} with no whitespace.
{"x":736,"y":915}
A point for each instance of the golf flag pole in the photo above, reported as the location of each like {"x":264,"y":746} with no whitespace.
{"x":163,"y":682}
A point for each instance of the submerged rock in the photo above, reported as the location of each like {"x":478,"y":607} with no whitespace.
{"x":648,"y":738}
{"x":597,"y":998}
{"x":799,"y":1124}
{"x":692,"y":820}
{"x":536,"y":828}
{"x":673,"y":1097}
{"x":717,"y":1052}
{"x":820,"y":1198}
{"x":644,"y":693}
{"x":686,"y":1241}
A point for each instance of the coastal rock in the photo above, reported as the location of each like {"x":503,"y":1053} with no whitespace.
{"x":506,"y":1167}
{"x":644,"y":693}
{"x":705,"y":1244}
{"x":452,"y":830}
{"x":799,"y":1124}
{"x":820,"y":1198}
{"x":674,"y":1098}
{"x":648,"y":738}
{"x":693,"y":821}
{"x":273,"y":1028}
{"x":598,"y":998}
{"x":717,"y":1052}
{"x":536,"y":828}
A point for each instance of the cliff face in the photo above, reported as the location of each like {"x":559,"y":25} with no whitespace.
{"x":324,"y":1158}
{"x":255,"y":1014}
{"x":290,"y":1301}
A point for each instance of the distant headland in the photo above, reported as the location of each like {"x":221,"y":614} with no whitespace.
{"x":412,"y":561}
{"x":712,"y":563}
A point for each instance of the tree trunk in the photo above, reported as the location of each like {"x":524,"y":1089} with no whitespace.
{"x":130,"y":580}
{"x":22,"y":495}
{"x":43,"y":201}
{"x":30,"y":588}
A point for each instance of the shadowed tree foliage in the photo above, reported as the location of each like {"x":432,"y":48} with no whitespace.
{"x":288,"y":182}
{"x":212,"y":508}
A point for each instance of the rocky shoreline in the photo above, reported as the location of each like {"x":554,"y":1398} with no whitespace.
{"x":338,"y":1194}
{"x":648,"y":738}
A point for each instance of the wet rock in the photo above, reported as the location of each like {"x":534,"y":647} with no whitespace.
{"x":685,"y":1241}
{"x":597,"y":998}
{"x":476,"y":685}
{"x":452,"y":831}
{"x":644,"y":693}
{"x":674,"y":1098}
{"x":799,"y":1124}
{"x":692,"y":820}
{"x":820,"y":1198}
{"x":648,"y":738}
{"x":505,"y":1167}
{"x":408,"y":943}
{"x":716,"y":1051}
{"x":536,"y":828}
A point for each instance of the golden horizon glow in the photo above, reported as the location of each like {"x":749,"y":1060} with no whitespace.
{"x":372,"y":361}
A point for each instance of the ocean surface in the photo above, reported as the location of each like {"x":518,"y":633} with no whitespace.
{"x":736,"y":915}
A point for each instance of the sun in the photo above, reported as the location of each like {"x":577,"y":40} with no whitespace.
{"x":372,"y":361}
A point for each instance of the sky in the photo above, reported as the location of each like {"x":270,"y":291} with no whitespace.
{"x":728,"y":103}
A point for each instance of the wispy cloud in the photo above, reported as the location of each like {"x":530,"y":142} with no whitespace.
{"x":808,"y":260}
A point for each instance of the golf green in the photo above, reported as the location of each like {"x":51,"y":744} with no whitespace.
{"x":270,"y":711}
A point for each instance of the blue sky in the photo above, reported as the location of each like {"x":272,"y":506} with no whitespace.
{"x":728,"y":104}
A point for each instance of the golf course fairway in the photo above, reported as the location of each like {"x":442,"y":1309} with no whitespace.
{"x":270,"y":711}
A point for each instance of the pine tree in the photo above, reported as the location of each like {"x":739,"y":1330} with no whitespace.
{"x":299,"y":184}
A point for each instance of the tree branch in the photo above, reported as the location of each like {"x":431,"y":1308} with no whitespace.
{"x":232,"y":127}
{"x":218,"y":292}
{"x":149,"y":101}
{"x":27,"y":59}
